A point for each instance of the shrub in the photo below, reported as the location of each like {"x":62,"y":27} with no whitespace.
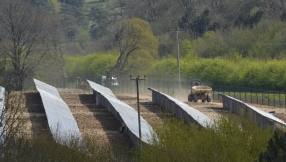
{"x":233,"y":139}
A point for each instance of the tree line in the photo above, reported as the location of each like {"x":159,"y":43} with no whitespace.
{"x":227,"y":29}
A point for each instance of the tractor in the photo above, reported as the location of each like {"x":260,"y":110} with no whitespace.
{"x":80,"y":84}
{"x":199,"y":92}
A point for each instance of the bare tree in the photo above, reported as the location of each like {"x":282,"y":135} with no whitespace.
{"x":127,"y":40}
{"x":11,"y":119}
{"x":28,"y":37}
{"x":136,"y":43}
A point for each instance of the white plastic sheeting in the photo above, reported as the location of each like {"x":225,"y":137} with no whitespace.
{"x":261,"y":117}
{"x":2,"y":116}
{"x":180,"y":109}
{"x":60,"y":119}
{"x":124,"y":113}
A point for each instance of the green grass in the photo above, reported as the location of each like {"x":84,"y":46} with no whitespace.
{"x":44,"y":148}
{"x":233,"y":139}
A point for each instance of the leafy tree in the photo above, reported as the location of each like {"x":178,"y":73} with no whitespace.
{"x":276,"y":149}
{"x":29,"y":36}
{"x":99,"y":19}
{"x":148,"y":10}
{"x":187,"y":19}
{"x":56,"y":5}
{"x":211,"y":45}
{"x":200,"y":24}
{"x":197,"y":25}
{"x":137,"y":47}
{"x":77,"y":3}
{"x":247,"y":20}
{"x":48,"y":5}
{"x":164,"y":68}
{"x":83,"y":37}
{"x":164,"y":50}
{"x":89,"y":66}
{"x":215,"y":26}
{"x":283,"y":16}
{"x":72,"y":19}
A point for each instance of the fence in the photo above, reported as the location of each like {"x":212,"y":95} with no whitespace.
{"x":252,"y":95}
{"x":242,"y":109}
{"x":173,"y":88}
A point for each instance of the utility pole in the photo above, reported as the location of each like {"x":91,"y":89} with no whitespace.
{"x":178,"y":54}
{"x":139,"y":121}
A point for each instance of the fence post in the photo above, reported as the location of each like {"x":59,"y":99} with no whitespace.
{"x":168,"y":87}
{"x":256,"y":98}
{"x":262,"y":97}
{"x":251,"y":95}
{"x":234,"y":91}
{"x":268,"y":98}
{"x":218,"y":92}
{"x":245,"y":96}
{"x":279,"y":100}
{"x":274,"y":100}
{"x":163,"y":86}
{"x":240,"y":93}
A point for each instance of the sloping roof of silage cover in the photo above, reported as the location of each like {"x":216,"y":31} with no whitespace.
{"x":101,"y":89}
{"x":2,"y":115}
{"x":130,"y":117}
{"x":60,"y":119}
{"x":263,"y":113}
{"x":47,"y":88}
{"x":127,"y":113}
{"x":200,"y":117}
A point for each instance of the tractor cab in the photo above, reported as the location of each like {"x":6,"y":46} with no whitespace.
{"x":113,"y":81}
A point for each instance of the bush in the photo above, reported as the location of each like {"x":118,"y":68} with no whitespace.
{"x":266,"y":74}
{"x":89,"y":66}
{"x":233,"y":139}
{"x":276,"y":150}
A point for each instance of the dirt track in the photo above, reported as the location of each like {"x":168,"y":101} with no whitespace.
{"x":99,"y":124}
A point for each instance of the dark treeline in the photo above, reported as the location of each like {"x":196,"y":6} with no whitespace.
{"x":91,"y":25}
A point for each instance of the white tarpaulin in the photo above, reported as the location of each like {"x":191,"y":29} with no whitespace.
{"x":2,"y":115}
{"x":60,"y":119}
{"x":180,"y":109}
{"x":124,"y":113}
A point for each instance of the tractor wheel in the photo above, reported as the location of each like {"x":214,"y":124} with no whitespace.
{"x":203,"y":98}
{"x":195,"y":98}
{"x":190,"y":98}
{"x":209,"y":98}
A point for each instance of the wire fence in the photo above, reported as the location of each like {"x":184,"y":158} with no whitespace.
{"x":174,"y":89}
{"x":253,"y":95}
